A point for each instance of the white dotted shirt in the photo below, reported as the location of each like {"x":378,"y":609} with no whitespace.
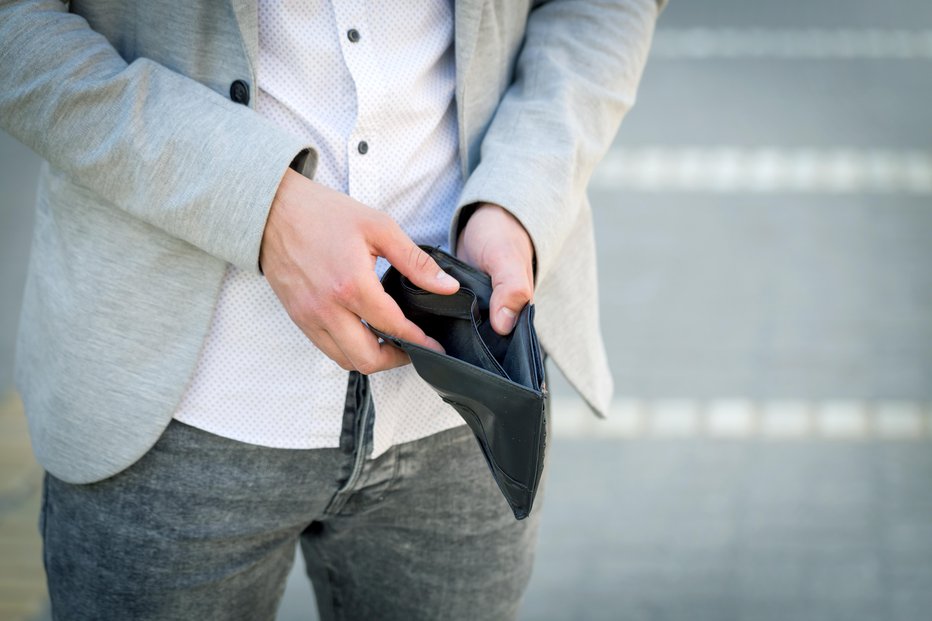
{"x":336,"y":74}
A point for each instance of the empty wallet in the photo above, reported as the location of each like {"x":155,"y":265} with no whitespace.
{"x":496,"y":383}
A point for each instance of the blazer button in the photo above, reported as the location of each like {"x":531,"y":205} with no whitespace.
{"x":239,"y":92}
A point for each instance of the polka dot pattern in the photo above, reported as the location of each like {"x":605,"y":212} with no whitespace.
{"x":259,"y":379}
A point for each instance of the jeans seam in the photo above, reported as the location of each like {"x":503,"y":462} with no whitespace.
{"x":392,"y":484}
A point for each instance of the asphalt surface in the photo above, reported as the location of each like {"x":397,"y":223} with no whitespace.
{"x":765,"y":295}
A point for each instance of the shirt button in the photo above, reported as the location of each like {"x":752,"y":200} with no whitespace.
{"x":239,"y":92}
{"x":353,"y":35}
{"x":362,"y":147}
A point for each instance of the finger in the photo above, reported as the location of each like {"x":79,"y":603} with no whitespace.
{"x":325,"y":343}
{"x":382,"y":312}
{"x":393,"y":244}
{"x":362,"y":347}
{"x":366,"y":299}
{"x":512,"y":289}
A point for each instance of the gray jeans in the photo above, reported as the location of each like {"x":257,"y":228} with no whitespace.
{"x":203,"y":527}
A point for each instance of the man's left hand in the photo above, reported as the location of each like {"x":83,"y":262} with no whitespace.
{"x":495,"y":242}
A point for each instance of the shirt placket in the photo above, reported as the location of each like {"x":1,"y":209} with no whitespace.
{"x":365,"y":156}
{"x":364,"y":149}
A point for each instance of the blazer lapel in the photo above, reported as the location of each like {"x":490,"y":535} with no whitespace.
{"x":247,"y":18}
{"x":466,"y":19}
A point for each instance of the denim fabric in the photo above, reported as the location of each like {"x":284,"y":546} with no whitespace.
{"x":203,"y":527}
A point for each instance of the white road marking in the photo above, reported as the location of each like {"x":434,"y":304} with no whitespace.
{"x":725,"y":169}
{"x":899,"y":419}
{"x":841,"y":419}
{"x":744,"y":419}
{"x":810,"y":43}
{"x":731,"y":418}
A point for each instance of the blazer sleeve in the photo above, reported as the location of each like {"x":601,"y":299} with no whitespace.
{"x":145,"y":139}
{"x":575,"y":78}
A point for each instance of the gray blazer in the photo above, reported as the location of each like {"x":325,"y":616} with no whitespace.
{"x":155,"y":180}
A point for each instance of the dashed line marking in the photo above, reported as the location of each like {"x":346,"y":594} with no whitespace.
{"x":742,"y":419}
{"x":792,"y":44}
{"x":728,"y":169}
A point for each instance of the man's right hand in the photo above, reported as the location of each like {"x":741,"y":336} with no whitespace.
{"x":318,"y":253}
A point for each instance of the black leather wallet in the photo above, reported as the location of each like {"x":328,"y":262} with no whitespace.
{"x":496,"y":383}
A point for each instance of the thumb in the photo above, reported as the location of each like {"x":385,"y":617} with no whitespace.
{"x":414,"y":263}
{"x":511,"y":292}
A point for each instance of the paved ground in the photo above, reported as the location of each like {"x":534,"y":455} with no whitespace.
{"x":725,"y":530}
{"x":767,"y":299}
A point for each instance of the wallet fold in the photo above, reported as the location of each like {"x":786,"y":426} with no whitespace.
{"x":496,"y":383}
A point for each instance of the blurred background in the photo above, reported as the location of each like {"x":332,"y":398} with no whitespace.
{"x":764,"y":222}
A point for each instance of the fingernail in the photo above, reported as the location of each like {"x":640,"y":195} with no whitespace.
{"x":446,"y":279}
{"x":435,"y":344}
{"x":509,"y":317}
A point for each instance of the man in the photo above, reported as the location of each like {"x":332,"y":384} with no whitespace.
{"x":221,"y":182}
